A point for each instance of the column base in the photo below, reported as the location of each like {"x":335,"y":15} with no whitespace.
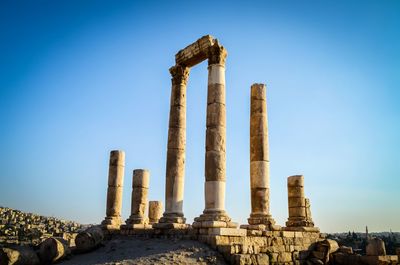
{"x":171,"y":218}
{"x":299,"y":222}
{"x":214,"y":219}
{"x":136,"y":220}
{"x":111,"y":223}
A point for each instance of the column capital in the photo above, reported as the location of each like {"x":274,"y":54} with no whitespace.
{"x":217,"y":54}
{"x":180,"y":74}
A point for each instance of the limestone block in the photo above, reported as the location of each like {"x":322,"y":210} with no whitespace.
{"x":258,"y":91}
{"x":295,"y":192}
{"x":216,"y":74}
{"x":215,"y":139}
{"x":258,"y":125}
{"x":297,"y":202}
{"x":297,"y":212}
{"x":215,"y":195}
{"x":376,"y":247}
{"x":285,"y":257}
{"x":296,"y":181}
{"x":259,"y":148}
{"x":117,"y":158}
{"x":139,"y":201}
{"x":216,"y":93}
{"x":141,"y":178}
{"x":215,"y":166}
{"x":177,"y":116}
{"x":114,"y":201}
{"x":216,"y":115}
{"x":178,"y":95}
{"x":116,"y":168}
{"x":258,"y":106}
{"x":155,"y":211}
{"x":175,"y":163}
{"x":210,"y":224}
{"x":260,"y":200}
{"x":227,"y":232}
{"x":288,"y":234}
{"x":176,"y":138}
{"x":18,"y":255}
{"x":259,"y":174}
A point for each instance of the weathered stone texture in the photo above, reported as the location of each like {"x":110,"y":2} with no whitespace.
{"x":114,"y":190}
{"x":140,"y":189}
{"x":155,"y":211}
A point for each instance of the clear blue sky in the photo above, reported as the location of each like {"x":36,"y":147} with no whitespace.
{"x":81,"y":78}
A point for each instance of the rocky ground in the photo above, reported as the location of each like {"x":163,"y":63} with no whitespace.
{"x":148,"y":251}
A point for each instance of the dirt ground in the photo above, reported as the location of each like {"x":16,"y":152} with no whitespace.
{"x":124,"y":251}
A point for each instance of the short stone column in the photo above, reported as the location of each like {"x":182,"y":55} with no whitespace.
{"x":140,"y":190}
{"x":155,"y":211}
{"x":214,"y":214}
{"x":175,"y":170}
{"x":299,"y":212}
{"x":114,"y":191}
{"x":260,"y":217}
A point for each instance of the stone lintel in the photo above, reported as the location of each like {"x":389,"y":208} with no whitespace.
{"x":195,"y":52}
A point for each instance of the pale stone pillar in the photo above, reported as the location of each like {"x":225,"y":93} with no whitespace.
{"x":175,"y":171}
{"x":155,"y":211}
{"x":140,"y":190}
{"x":114,"y":191}
{"x":259,"y":158}
{"x":299,"y":206}
{"x":215,"y":160}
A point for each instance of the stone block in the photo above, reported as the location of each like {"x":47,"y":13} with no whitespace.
{"x":215,"y":166}
{"x":227,"y":231}
{"x":258,"y":125}
{"x":216,"y":93}
{"x":288,"y":234}
{"x":259,"y":148}
{"x":376,"y":247}
{"x":259,"y":174}
{"x":176,"y":138}
{"x":177,"y":116}
{"x":215,"y":139}
{"x":178,"y":95}
{"x":216,"y":115}
{"x":258,"y":106}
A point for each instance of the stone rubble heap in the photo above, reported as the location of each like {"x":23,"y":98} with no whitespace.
{"x":17,"y":227}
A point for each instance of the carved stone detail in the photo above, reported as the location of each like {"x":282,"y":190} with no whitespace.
{"x":180,"y":74}
{"x":217,"y":54}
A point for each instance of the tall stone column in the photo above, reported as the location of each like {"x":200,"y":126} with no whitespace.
{"x":175,"y":171}
{"x":140,"y":190}
{"x":299,"y":206}
{"x":114,"y":191}
{"x":259,"y":159}
{"x":215,"y":158}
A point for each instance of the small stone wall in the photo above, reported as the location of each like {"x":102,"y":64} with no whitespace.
{"x":271,"y":247}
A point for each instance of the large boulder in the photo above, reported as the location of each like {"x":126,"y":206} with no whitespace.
{"x":376,"y":247}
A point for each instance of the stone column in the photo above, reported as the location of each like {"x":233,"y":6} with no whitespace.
{"x":175,"y":171}
{"x":259,"y":159}
{"x":297,"y":203}
{"x":140,"y":190}
{"x":215,"y":161}
{"x":155,"y":211}
{"x":114,"y":191}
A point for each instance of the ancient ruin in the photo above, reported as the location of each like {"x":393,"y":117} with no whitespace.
{"x":140,"y":189}
{"x":261,"y":240}
{"x":114,"y":191}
